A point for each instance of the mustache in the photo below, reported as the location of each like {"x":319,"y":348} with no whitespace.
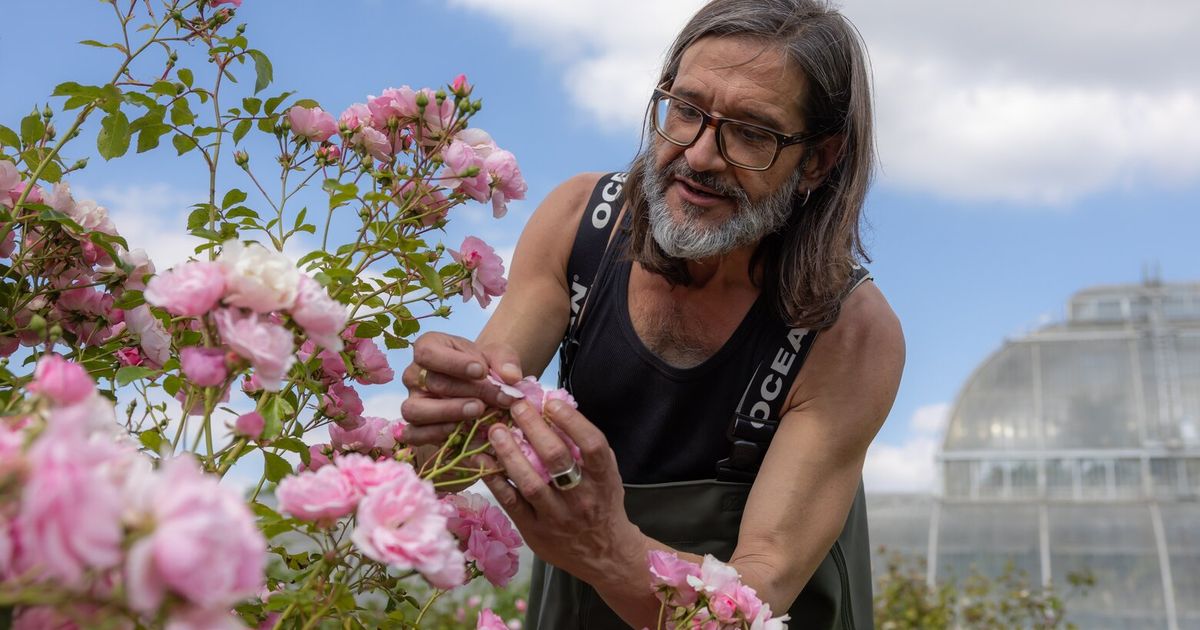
{"x":679,"y":168}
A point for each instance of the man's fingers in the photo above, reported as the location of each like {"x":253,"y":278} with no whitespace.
{"x":425,"y":409}
{"x":434,"y":434}
{"x":453,"y":356}
{"x":597,"y":455}
{"x":505,"y":360}
{"x":506,"y":495}
{"x":554,"y":453}
{"x":529,"y":483}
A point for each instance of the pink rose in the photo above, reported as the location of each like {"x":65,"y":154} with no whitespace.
{"x":438,"y":118}
{"x":129,"y":356}
{"x":342,"y":404}
{"x":69,"y":518}
{"x":260,"y":279}
{"x":506,"y":179}
{"x":535,"y":460}
{"x":318,"y":457}
{"x":366,"y":474}
{"x":313,"y":123}
{"x":203,"y":366}
{"x":191,"y":399}
{"x":355,"y":116}
{"x":487,"y":536}
{"x":371,"y":364}
{"x":460,"y":86}
{"x":249,"y":425}
{"x":189,"y":290}
{"x":267,"y":346}
{"x":205,"y":547}
{"x":322,"y":496}
{"x":151,"y":333}
{"x":464,"y":171}
{"x":402,"y":524}
{"x":61,"y":381}
{"x":374,"y":142}
{"x":715,"y":576}
{"x":431,"y":204}
{"x":484,"y":268}
{"x":217,"y":3}
{"x":320,"y":316}
{"x":394,"y":104}
{"x":9,"y":243}
{"x":370,"y":434}
{"x":201,"y":618}
{"x":669,"y":571}
{"x":489,"y":620}
{"x":10,"y":177}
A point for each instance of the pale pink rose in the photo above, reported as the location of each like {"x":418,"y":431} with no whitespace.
{"x":142,"y":267}
{"x":479,"y":140}
{"x":493,"y":377}
{"x":202,"y":618}
{"x":129,"y":356}
{"x":313,"y":123}
{"x":735,"y":603}
{"x":715,"y":576}
{"x":328,"y":154}
{"x":251,"y":384}
{"x":43,"y":618}
{"x":521,"y":605}
{"x":535,"y":460}
{"x":69,"y":518}
{"x":371,"y":364}
{"x":370,"y":434}
{"x":36,"y":194}
{"x":485,"y":269}
{"x":203,"y":366}
{"x":562,"y":396}
{"x":374,"y":142}
{"x":486,"y":535}
{"x":402,"y":524}
{"x":188,"y":290}
{"x":320,"y":316}
{"x":460,"y":86}
{"x":257,"y":278}
{"x":431,"y":204}
{"x":438,"y":118}
{"x":764,"y":621}
{"x":507,"y":182}
{"x":269,"y":347}
{"x":249,"y":425}
{"x":342,"y":404}
{"x":318,"y":457}
{"x":464,"y":172}
{"x":531,"y":390}
{"x":191,"y":399}
{"x":8,"y":243}
{"x":489,"y":620}
{"x":61,"y":381}
{"x":205,"y":547}
{"x":92,"y":217}
{"x":151,"y":334}
{"x":355,"y":116}
{"x":217,"y":3}
{"x":366,"y":474}
{"x":9,"y":179}
{"x":322,"y":496}
{"x":669,"y":571}
{"x":398,"y":104}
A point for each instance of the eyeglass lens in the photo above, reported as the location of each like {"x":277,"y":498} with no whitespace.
{"x":740,"y":144}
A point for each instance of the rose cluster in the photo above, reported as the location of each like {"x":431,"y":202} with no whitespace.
{"x":84,"y":515}
{"x":707,"y":596}
{"x":532,"y":392}
{"x":485,"y":535}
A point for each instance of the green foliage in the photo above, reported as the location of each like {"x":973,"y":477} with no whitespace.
{"x":904,"y":600}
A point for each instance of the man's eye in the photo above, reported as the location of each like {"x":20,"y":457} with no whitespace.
{"x":686,"y":112}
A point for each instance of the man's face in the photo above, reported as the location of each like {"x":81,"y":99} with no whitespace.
{"x":700,"y":205}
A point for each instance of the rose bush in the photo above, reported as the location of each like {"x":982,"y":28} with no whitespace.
{"x":264,"y":337}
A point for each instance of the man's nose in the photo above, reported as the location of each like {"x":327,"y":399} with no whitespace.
{"x":704,"y":154}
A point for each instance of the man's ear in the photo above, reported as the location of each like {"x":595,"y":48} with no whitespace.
{"x":819,"y":160}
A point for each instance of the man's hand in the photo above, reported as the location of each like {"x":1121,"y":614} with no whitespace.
{"x":447,"y":384}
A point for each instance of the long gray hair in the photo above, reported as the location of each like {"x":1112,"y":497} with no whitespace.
{"x":807,"y":264}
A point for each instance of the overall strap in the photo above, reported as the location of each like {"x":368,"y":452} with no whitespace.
{"x":757,"y":415}
{"x":587,"y":256}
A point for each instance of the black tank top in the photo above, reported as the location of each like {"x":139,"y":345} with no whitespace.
{"x":664,"y":423}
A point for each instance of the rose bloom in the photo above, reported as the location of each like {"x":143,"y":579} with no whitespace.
{"x":489,"y":620}
{"x":313,"y":123}
{"x":205,"y":547}
{"x":151,"y":333}
{"x":459,"y":158}
{"x":485,"y":269}
{"x":320,"y":316}
{"x":217,"y":3}
{"x":258,"y":278}
{"x":374,"y":142}
{"x":506,"y":179}
{"x":342,"y":404}
{"x":371,"y":363}
{"x":189,"y":290}
{"x":669,"y":571}
{"x":321,"y":496}
{"x":8,"y":244}
{"x":370,"y":434}
{"x":393,"y":104}
{"x":318,"y":457}
{"x":487,"y":536}
{"x":355,"y":116}
{"x":249,"y":425}
{"x":366,"y":474}
{"x":402,"y":524}
{"x":61,"y":381}
{"x":203,"y":366}
{"x":268,"y":347}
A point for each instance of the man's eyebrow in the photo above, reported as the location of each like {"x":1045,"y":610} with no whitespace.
{"x":750,"y":116}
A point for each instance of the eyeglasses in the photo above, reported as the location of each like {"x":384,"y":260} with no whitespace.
{"x":742,"y":144}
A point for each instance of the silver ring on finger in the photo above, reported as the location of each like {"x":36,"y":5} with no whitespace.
{"x":568,"y":478}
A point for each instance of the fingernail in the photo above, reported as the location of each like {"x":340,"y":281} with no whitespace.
{"x":499,"y":435}
{"x":520,"y":407}
{"x":511,"y":371}
{"x":475,"y":370}
{"x":554,"y":407}
{"x":472,"y":409}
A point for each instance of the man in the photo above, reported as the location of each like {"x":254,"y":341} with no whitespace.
{"x":731,"y":265}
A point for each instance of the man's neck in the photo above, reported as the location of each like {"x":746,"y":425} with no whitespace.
{"x":729,"y":270}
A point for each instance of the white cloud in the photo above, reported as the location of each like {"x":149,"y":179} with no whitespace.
{"x":908,"y":466}
{"x":1020,"y":102}
{"x":152,"y":217}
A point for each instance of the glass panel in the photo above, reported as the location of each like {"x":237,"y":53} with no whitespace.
{"x":1187,"y":353}
{"x":1193,"y":475}
{"x":996,"y":406}
{"x":1023,"y":480}
{"x":899,"y":523}
{"x":991,"y":482}
{"x":1128,"y":478}
{"x":1093,"y":474}
{"x":958,"y":478}
{"x":1087,"y":394}
{"x":1060,"y":478}
{"x":1165,"y":473}
{"x":1116,"y":543}
{"x":1182,"y":525}
{"x":987,"y":537}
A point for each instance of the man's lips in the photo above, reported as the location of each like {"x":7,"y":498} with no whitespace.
{"x":697,"y":187}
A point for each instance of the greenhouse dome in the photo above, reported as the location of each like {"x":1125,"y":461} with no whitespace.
{"x":1076,"y":447}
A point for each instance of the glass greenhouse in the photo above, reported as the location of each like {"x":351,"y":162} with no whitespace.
{"x":1076,"y":446}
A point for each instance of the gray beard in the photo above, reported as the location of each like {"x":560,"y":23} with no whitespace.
{"x":691,"y":240}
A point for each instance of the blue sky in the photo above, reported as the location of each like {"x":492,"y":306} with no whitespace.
{"x":1027,"y":152}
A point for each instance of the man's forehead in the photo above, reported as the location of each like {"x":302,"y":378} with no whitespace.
{"x":755,"y":74}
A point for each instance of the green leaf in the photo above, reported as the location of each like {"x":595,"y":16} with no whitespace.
{"x":274,"y":102}
{"x":92,"y":42}
{"x":113,"y":139}
{"x":181,"y":113}
{"x":71,"y":88}
{"x":185,"y":76}
{"x":262,"y":68}
{"x":32,"y":128}
{"x":276,"y":467}
{"x":252,"y":105}
{"x":150,"y":135}
{"x":151,"y":438}
{"x":432,"y":281}
{"x":240,"y":131}
{"x":183,"y":143}
{"x":367,"y":330}
{"x":9,"y":138}
{"x":171,"y":384}
{"x":131,"y":373}
{"x":130,"y":299}
{"x":232,"y":197}
{"x":162,"y":88}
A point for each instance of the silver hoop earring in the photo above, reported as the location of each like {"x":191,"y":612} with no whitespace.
{"x":807,"y":193}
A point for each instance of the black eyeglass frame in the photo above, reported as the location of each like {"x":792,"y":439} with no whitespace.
{"x":782,"y":140}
